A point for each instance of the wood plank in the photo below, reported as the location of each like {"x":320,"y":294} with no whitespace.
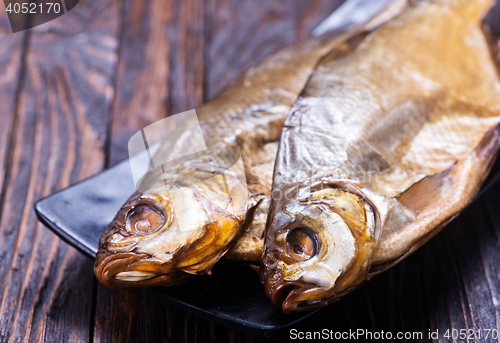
{"x":10,"y":69}
{"x":59,"y":138}
{"x":11,"y":66}
{"x":160,"y":72}
{"x":243,"y":33}
{"x":143,"y":70}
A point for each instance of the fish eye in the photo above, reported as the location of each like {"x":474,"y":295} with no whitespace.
{"x":144,"y":220}
{"x":301,"y":244}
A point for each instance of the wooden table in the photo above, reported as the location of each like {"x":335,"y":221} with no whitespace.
{"x":72,"y":93}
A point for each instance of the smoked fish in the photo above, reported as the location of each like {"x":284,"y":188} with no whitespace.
{"x":391,"y":138}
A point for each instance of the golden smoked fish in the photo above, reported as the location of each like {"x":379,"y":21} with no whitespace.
{"x":390,"y":139}
{"x":145,"y":245}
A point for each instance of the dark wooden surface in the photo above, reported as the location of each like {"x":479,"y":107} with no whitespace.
{"x":74,"y":90}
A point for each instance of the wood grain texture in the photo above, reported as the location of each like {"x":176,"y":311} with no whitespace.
{"x":143,"y":71}
{"x":61,"y":123}
{"x":11,"y":60}
{"x":91,"y":79}
{"x":11,"y":66}
{"x":243,"y":33}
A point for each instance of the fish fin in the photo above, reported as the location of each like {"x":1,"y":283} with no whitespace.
{"x":436,"y":200}
{"x":353,"y":14}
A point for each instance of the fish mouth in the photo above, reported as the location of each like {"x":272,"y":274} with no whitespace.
{"x":120,"y":270}
{"x":299,"y":296}
{"x":132,"y":268}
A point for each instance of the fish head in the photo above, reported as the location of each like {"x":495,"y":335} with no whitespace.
{"x":175,"y":226}
{"x":318,"y":245}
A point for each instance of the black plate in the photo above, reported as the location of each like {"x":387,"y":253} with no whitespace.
{"x":232,"y":296}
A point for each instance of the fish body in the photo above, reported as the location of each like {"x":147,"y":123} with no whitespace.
{"x":390,"y":139}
